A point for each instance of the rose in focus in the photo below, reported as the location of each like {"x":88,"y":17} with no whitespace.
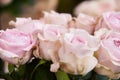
{"x":49,"y":44}
{"x":16,"y":46}
{"x":108,"y":54}
{"x":76,"y":52}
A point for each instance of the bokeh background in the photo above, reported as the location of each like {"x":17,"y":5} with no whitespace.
{"x":10,"y":9}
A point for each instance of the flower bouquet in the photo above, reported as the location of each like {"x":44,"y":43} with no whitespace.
{"x":61,"y":47}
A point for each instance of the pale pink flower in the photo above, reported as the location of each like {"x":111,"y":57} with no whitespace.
{"x":108,"y":54}
{"x":15,"y":46}
{"x":76,"y":52}
{"x":57,"y":18}
{"x":83,"y":21}
{"x":110,"y":21}
{"x":49,"y":44}
{"x":27,"y":24}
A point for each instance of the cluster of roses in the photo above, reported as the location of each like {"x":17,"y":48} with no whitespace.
{"x":75,"y":45}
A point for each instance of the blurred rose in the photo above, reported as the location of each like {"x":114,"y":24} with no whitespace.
{"x":15,"y":46}
{"x":118,"y":4}
{"x":49,"y":44}
{"x":83,"y":21}
{"x":5,"y":2}
{"x":41,"y":5}
{"x":76,"y":52}
{"x":57,"y":18}
{"x":110,"y":20}
{"x":27,"y":24}
{"x":108,"y":54}
{"x":2,"y":79}
{"x":96,"y":7}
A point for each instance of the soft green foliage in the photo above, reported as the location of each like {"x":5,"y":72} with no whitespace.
{"x":60,"y":75}
{"x":11,"y":68}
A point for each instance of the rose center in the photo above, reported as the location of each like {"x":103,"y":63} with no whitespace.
{"x":117,"y":43}
{"x":54,"y":32}
{"x":77,"y":41}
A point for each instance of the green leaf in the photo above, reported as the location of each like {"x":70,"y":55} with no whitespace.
{"x":15,"y":76}
{"x":60,"y":75}
{"x":5,"y":76}
{"x":21,"y":70}
{"x":43,"y":73}
{"x":40,"y":63}
{"x":11,"y":68}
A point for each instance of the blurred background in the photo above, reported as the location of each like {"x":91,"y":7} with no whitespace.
{"x":10,"y":9}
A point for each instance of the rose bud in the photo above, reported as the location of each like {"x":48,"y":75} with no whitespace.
{"x":76,"y":52}
{"x":49,"y":44}
{"x":108,"y":54}
{"x":57,"y":18}
{"x":27,"y":24}
{"x":110,"y":21}
{"x":15,"y":46}
{"x":83,"y":21}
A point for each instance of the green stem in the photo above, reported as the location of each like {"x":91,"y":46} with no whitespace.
{"x":40,"y":63}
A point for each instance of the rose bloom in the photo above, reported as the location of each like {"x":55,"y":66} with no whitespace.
{"x":15,"y":46}
{"x":57,"y":18}
{"x":96,"y":7}
{"x":49,"y":44}
{"x":110,"y":20}
{"x":27,"y":24}
{"x":83,"y":21}
{"x":76,"y":52}
{"x":108,"y":54}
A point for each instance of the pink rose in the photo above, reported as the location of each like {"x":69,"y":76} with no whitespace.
{"x":108,"y":54}
{"x":96,"y":7}
{"x":57,"y":18}
{"x":110,"y":20}
{"x":76,"y":52}
{"x":15,"y":46}
{"x":49,"y":44}
{"x":85,"y":22}
{"x":27,"y":24}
